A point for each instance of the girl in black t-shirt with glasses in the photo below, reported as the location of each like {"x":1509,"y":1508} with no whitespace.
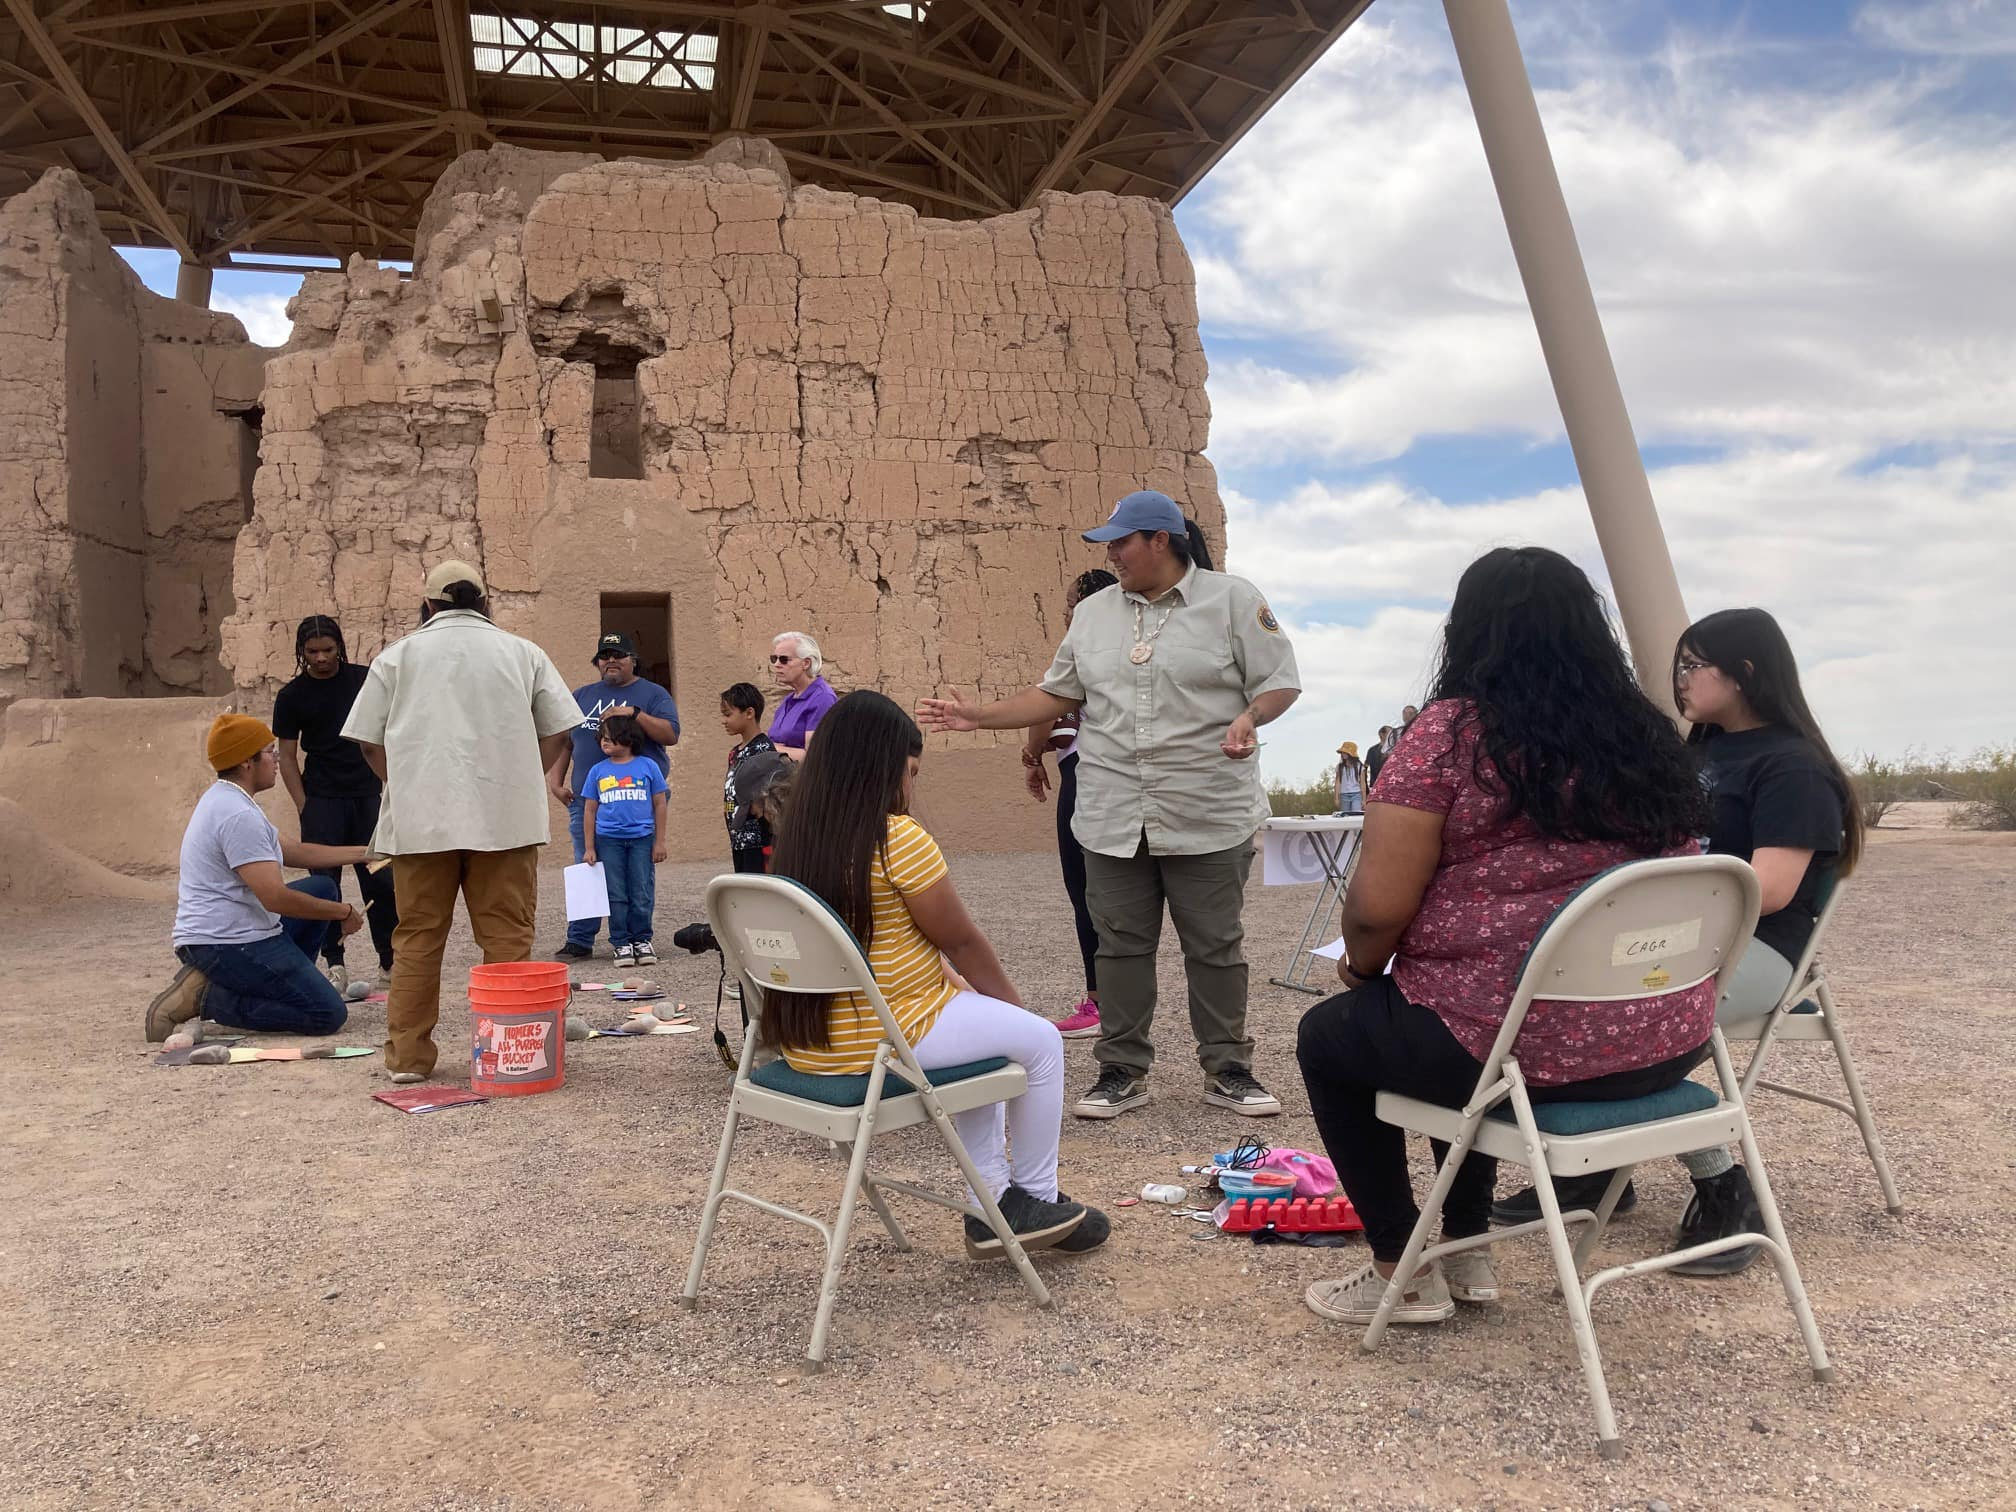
{"x":1782,"y":803}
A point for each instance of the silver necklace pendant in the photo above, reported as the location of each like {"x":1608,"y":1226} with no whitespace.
{"x":1141,"y":652}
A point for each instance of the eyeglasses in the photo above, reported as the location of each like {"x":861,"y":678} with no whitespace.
{"x":781,"y":661}
{"x":1684,"y":669}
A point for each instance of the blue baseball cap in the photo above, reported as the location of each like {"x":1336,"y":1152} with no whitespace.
{"x":1143,"y":510}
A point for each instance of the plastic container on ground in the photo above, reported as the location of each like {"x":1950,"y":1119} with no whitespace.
{"x":517,"y":1015}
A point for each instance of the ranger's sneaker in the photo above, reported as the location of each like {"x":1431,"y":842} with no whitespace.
{"x":1114,"y":1093}
{"x":1236,"y":1089}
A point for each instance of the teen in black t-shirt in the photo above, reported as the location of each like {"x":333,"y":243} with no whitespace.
{"x":337,"y":794}
{"x":1782,"y":803}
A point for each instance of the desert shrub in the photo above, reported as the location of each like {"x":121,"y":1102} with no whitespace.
{"x":1881,"y":785}
{"x":1317,"y":796}
{"x":1986,"y":788}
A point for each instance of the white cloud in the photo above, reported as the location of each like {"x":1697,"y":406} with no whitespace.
{"x":1810,"y":263}
{"x":1893,"y":585}
{"x":1802,"y":261}
{"x":1972,"y":28}
{"x":264,"y":315}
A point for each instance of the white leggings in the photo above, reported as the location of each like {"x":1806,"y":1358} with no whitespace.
{"x":974,"y":1028}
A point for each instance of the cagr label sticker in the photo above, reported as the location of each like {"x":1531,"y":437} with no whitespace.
{"x":1645,"y":947}
{"x":778,"y":944}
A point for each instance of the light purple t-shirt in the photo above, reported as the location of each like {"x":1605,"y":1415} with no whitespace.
{"x":799,"y":715}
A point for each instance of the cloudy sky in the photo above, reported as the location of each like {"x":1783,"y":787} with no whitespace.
{"x":1800,"y":220}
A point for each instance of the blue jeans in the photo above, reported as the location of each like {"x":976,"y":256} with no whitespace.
{"x":582,"y":932}
{"x":633,"y":886}
{"x":271,"y":986}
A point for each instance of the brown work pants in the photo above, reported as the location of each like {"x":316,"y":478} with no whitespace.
{"x":500,"y":889}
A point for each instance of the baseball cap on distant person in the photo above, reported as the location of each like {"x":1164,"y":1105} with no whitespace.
{"x":614,"y":644}
{"x":1143,"y":510}
{"x":446,"y":574}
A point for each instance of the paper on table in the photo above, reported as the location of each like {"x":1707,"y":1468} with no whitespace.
{"x":587,"y":891}
{"x":1290,"y":857}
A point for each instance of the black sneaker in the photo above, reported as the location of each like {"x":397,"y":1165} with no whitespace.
{"x":1116,"y":1091}
{"x":1572,"y":1192}
{"x":572,"y":952}
{"x":1089,"y":1234}
{"x":1236,"y":1089}
{"x":1038,"y":1224}
{"x":1722,"y":1205}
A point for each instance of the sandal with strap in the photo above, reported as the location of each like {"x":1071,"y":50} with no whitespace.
{"x":1355,"y":1299}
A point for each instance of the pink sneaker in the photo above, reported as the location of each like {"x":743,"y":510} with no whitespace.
{"x":1083,"y":1022}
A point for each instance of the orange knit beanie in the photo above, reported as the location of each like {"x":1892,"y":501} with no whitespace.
{"x":235,"y":738}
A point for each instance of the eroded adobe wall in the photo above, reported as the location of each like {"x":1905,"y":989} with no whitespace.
{"x":885,"y":430}
{"x":124,"y":465}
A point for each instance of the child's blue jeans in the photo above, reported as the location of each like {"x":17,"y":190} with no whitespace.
{"x":633,"y":886}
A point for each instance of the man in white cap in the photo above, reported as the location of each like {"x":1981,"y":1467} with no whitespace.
{"x":461,"y":720}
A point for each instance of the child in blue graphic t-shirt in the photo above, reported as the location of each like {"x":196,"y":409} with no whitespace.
{"x":623,"y":827}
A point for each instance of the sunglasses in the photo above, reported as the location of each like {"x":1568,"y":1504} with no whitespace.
{"x":781,"y":661}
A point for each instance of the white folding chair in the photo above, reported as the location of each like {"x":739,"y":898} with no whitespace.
{"x":1649,"y":927}
{"x":1807,"y":1012}
{"x":778,"y":937}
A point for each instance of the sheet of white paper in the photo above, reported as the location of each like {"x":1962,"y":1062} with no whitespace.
{"x":1334,"y":951}
{"x":1290,"y":857}
{"x":587,"y":891}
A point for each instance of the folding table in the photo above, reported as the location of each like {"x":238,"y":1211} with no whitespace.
{"x":1316,"y":848}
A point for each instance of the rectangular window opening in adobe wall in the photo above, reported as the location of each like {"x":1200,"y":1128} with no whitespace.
{"x":616,"y":440}
{"x":647,"y":619}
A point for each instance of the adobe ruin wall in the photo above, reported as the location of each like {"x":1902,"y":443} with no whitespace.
{"x":762,"y":406}
{"x":128,"y":441}
{"x":783,"y":407}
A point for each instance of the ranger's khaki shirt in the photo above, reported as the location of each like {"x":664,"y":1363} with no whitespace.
{"x":1148,"y":756}
{"x":460,"y":707}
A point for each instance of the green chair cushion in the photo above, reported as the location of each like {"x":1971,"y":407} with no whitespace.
{"x":1593,"y":1117}
{"x":1808,"y":1006}
{"x":852,"y":1091}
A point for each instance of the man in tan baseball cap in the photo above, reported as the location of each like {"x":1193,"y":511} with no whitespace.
{"x":461,"y":720}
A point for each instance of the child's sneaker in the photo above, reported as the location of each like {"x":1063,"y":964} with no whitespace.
{"x":644,"y":954}
{"x":1083,"y":1022}
{"x":626,"y":955}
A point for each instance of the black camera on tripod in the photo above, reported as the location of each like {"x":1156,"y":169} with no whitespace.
{"x":695,"y":939}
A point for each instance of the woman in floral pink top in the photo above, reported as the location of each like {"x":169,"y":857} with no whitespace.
{"x":1536,"y":764}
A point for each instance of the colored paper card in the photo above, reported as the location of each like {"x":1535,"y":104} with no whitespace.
{"x":428,"y":1099}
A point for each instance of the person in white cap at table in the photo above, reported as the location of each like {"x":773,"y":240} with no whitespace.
{"x":461,"y":720}
{"x":1175,"y":668}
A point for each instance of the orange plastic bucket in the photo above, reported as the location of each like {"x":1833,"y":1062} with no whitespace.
{"x":517,"y":1015}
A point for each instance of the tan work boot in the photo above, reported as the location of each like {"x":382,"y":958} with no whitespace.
{"x":177,"y":1003}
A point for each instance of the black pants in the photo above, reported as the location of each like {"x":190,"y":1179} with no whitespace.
{"x":1071,"y":855}
{"x":1370,"y":1040}
{"x":350,"y":821}
{"x":749,"y":859}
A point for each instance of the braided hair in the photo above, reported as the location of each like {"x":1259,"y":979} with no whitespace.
{"x":1091,"y":582}
{"x":309,"y":629}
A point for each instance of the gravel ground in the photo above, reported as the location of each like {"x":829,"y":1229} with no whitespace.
{"x":252,"y":1287}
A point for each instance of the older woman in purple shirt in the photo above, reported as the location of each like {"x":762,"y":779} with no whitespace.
{"x":795,"y":662}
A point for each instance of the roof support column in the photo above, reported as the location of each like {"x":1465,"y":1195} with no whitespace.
{"x":1571,"y":337}
{"x":192,"y":284}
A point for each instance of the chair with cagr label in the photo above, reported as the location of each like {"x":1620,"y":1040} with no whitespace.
{"x":1649,"y":927}
{"x":778,"y":937}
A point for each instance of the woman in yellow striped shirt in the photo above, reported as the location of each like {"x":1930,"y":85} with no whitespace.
{"x":850,"y":839}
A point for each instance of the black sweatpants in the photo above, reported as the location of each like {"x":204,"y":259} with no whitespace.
{"x":1071,"y":856}
{"x":350,"y":821}
{"x":1370,"y":1040}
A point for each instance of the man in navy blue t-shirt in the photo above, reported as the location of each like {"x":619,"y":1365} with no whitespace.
{"x":619,"y":690}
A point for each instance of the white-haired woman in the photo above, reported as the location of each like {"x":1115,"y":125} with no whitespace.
{"x":795,"y":663}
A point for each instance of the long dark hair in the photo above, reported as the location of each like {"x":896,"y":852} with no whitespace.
{"x":310,"y":628}
{"x":1747,"y":647}
{"x":1191,"y":546}
{"x":848,"y":785}
{"x":1573,"y":744}
{"x":1091,"y":581}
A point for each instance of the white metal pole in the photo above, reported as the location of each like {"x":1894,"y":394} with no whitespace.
{"x":1571,"y":337}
